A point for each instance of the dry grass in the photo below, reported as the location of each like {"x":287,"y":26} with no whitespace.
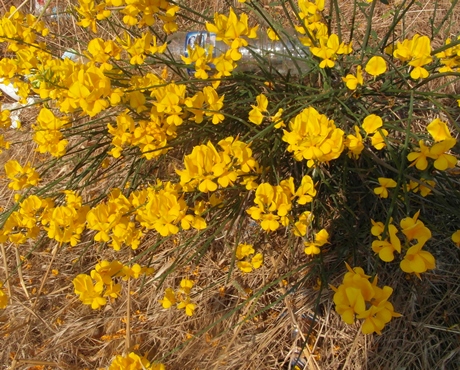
{"x":45,"y":326}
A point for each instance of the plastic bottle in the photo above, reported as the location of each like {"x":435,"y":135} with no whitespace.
{"x":284,"y":57}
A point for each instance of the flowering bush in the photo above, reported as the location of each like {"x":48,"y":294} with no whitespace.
{"x":159,"y":155}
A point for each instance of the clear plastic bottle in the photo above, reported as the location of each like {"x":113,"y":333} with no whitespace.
{"x":284,"y":57}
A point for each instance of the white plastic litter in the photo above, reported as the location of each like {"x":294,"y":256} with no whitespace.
{"x":9,"y":90}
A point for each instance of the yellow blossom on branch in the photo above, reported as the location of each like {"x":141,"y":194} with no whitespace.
{"x":419,"y":159}
{"x":376,"y":66}
{"x":355,"y":144}
{"x":255,"y":115}
{"x":21,"y":177}
{"x":456,"y":238}
{"x":417,"y":260}
{"x":321,"y":238}
{"x":386,"y":248}
{"x":439,"y":130}
{"x":372,"y":123}
{"x":443,"y":160}
{"x":312,"y":136}
{"x":385,"y":183}
{"x":247,"y":259}
{"x":353,"y":81}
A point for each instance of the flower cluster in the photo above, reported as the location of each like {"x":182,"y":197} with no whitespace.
{"x":232,"y":31}
{"x":312,"y":136}
{"x":48,"y":135}
{"x":140,"y":48}
{"x":162,"y":208}
{"x":315,"y":34}
{"x":132,"y":361}
{"x":438,"y":152}
{"x":328,"y":50}
{"x":247,"y":257}
{"x":15,"y":27}
{"x":415,"y":260}
{"x":112,"y":222}
{"x":206,"y":168}
{"x":21,"y":177}
{"x":359,"y":298}
{"x":180,"y":298}
{"x":312,"y":25}
{"x":450,"y":58}
{"x":159,"y":208}
{"x":66,"y":223}
{"x":423,"y":186}
{"x":23,"y":224}
{"x":416,"y":52}
{"x":274,"y":203}
{"x":94,"y":289}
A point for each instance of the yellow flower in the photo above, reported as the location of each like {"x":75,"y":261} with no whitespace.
{"x":244,"y":250}
{"x":385,"y":183}
{"x":200,"y":58}
{"x":424,"y":190}
{"x":245,"y":264}
{"x":443,"y":160}
{"x":255,"y":115}
{"x":418,"y":63}
{"x":456,"y":238}
{"x":3,"y":143}
{"x":321,"y":238}
{"x":277,"y":119}
{"x":386,"y":248}
{"x":188,"y":306}
{"x":231,"y":29}
{"x":349,"y":301}
{"x":89,"y":293}
{"x":351,"y":296}
{"x":419,"y":159}
{"x":306,"y":190}
{"x":417,"y":261}
{"x":3,"y":297}
{"x":313,"y":137}
{"x":352,"y":81}
{"x":378,"y":140}
{"x":257,"y":260}
{"x":272,"y":35}
{"x":376,"y":66}
{"x":300,"y":227}
{"x":186,"y":286}
{"x":376,"y":317}
{"x":354,"y":144}
{"x":377,"y":228}
{"x":439,"y":130}
{"x":413,"y":228}
{"x":169,"y":298}
{"x":372,"y":123}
